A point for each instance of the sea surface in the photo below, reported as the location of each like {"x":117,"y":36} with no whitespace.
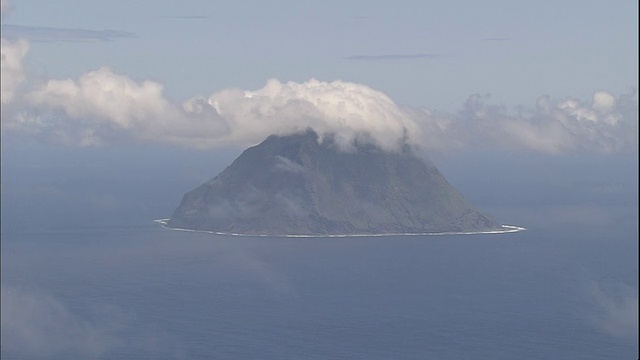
{"x":141,"y":292}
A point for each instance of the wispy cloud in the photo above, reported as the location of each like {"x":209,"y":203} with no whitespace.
{"x":393,"y":57}
{"x":615,"y":309}
{"x":50,"y":34}
{"x":40,"y":326}
{"x":187,"y":17}
{"x":498,"y":39}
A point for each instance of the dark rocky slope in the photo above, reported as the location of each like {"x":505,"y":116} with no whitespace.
{"x":296,"y":185}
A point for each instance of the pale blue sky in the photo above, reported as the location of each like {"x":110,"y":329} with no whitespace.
{"x":514,"y":50}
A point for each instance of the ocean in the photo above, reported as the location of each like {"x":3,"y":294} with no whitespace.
{"x":142,"y":292}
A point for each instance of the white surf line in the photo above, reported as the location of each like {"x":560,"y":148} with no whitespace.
{"x":505,"y":229}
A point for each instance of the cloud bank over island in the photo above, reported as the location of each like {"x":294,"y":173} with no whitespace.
{"x":103,"y":107}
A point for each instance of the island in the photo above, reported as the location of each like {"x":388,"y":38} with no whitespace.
{"x":301,"y":185}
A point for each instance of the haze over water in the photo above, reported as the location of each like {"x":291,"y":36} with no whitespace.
{"x":135,"y":292}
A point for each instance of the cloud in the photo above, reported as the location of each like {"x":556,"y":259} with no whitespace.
{"x":393,"y":57}
{"x":284,"y":164}
{"x":346,"y":109}
{"x":39,"y":326}
{"x":605,"y":124}
{"x":103,"y":107}
{"x":248,"y":263}
{"x":102,"y":94}
{"x":187,"y":17}
{"x":498,"y":39}
{"x":11,"y":67}
{"x":615,"y":310}
{"x":46,"y":34}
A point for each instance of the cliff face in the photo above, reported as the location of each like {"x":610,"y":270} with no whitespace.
{"x":295,"y":185}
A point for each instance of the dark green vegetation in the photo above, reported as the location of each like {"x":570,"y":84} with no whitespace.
{"x":296,"y":185}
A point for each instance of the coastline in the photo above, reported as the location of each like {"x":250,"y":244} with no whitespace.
{"x":505,"y":230}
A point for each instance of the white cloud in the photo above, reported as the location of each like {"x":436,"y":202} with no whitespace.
{"x":102,"y":107}
{"x":101,"y":94}
{"x":347,"y":109}
{"x":603,"y":102}
{"x":604,"y":125}
{"x":11,"y":67}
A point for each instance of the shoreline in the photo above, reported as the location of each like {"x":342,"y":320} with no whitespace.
{"x":505,"y":230}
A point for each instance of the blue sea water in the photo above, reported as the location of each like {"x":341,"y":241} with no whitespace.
{"x":147,"y":292}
